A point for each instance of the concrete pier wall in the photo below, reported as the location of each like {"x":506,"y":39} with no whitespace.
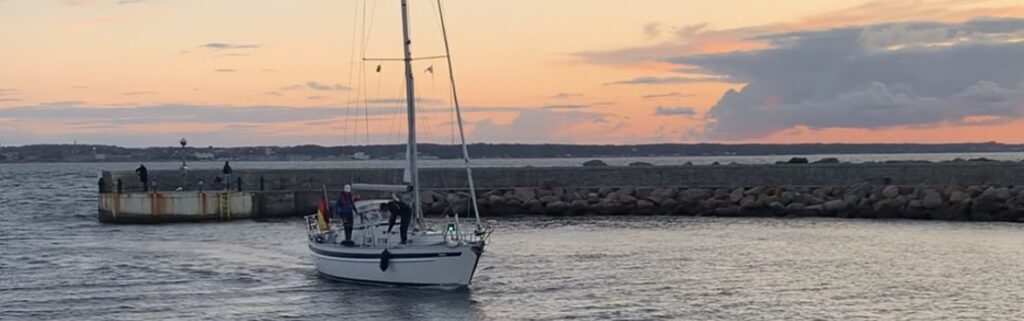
{"x":726,"y":175}
{"x":141,"y":207}
{"x":849,"y":190}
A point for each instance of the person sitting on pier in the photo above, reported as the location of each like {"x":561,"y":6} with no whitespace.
{"x":347,"y":209}
{"x":398,"y":209}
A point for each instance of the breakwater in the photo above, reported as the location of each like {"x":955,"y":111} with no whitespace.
{"x":984,"y":191}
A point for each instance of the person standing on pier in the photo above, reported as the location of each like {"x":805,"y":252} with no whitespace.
{"x":347,"y":209}
{"x":143,"y":177}
{"x":227,"y":175}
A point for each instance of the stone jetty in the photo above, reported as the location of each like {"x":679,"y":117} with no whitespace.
{"x":863,"y":200}
{"x":966,"y":190}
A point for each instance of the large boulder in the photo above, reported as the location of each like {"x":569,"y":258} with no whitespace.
{"x":749,"y":202}
{"x":644,"y":192}
{"x":958,"y":197}
{"x":1001,"y":194}
{"x":932,"y":200}
{"x":795,"y":160}
{"x":524,"y":194}
{"x":834,"y":206}
{"x":645,"y":204}
{"x":594,"y":163}
{"x":736,"y":195}
{"x":534,"y":206}
{"x":694,"y":195}
{"x":891,"y":191}
{"x":827,"y":160}
{"x":550,"y":199}
{"x":556,"y":208}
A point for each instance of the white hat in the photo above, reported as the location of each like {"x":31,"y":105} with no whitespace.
{"x":347,"y":188}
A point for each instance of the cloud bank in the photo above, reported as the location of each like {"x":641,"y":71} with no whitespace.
{"x":875,"y":76}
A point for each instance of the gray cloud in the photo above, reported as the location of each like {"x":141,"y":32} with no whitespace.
{"x":685,"y":32}
{"x":325,"y":87}
{"x":228,"y":46}
{"x":874,"y":76}
{"x":535,"y":125}
{"x":675,"y":111}
{"x":225,"y":70}
{"x":668,"y":95}
{"x":652,"y":30}
{"x":565,"y":95}
{"x":671,"y":80}
{"x":567,"y":106}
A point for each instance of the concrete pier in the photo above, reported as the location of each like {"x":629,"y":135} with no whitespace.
{"x":954,"y":190}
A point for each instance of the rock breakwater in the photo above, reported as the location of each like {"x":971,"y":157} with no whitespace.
{"x":864,"y":200}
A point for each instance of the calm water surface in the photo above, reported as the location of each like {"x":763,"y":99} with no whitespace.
{"x":58,"y":263}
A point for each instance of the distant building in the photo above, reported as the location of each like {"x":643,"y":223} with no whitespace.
{"x":360,"y":156}
{"x":204,"y":156}
{"x":10,"y":156}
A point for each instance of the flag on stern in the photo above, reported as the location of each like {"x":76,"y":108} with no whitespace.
{"x":322,"y":221}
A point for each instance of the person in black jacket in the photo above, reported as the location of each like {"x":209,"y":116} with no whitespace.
{"x":226,"y":170}
{"x":398,"y":209}
{"x":143,"y":177}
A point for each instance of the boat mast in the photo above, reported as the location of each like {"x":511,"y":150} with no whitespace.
{"x":458,"y":113}
{"x":410,"y":97}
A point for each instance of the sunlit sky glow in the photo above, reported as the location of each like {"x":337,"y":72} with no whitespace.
{"x":248,"y":72}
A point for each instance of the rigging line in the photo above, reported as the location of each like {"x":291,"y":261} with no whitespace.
{"x":351,"y":71}
{"x":396,"y":135}
{"x":366,"y":30}
{"x":353,"y":122}
{"x":452,"y":120}
{"x":458,"y":113}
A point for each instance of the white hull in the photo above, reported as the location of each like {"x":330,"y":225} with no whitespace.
{"x":427,"y":265}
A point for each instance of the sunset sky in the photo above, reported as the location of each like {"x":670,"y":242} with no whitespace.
{"x":277,"y":72}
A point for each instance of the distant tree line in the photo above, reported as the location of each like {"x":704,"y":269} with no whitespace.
{"x":78,"y":152}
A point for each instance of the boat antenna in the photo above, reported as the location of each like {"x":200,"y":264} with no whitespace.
{"x":410,"y":97}
{"x":458,"y":113}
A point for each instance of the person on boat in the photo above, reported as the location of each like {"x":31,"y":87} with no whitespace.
{"x":398,"y":209}
{"x":143,"y":177}
{"x":347,"y":210}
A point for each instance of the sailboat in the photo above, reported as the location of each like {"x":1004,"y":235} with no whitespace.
{"x":448,"y":257}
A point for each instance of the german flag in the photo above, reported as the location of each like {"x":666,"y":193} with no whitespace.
{"x":322,"y":220}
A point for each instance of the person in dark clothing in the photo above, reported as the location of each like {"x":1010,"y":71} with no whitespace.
{"x":398,"y":209}
{"x":227,"y":175}
{"x":103,"y":185}
{"x":346,"y":210}
{"x":143,"y":177}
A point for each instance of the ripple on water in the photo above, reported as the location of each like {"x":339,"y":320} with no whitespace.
{"x":58,"y":263}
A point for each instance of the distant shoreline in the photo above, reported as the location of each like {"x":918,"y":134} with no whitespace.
{"x":79,"y":153}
